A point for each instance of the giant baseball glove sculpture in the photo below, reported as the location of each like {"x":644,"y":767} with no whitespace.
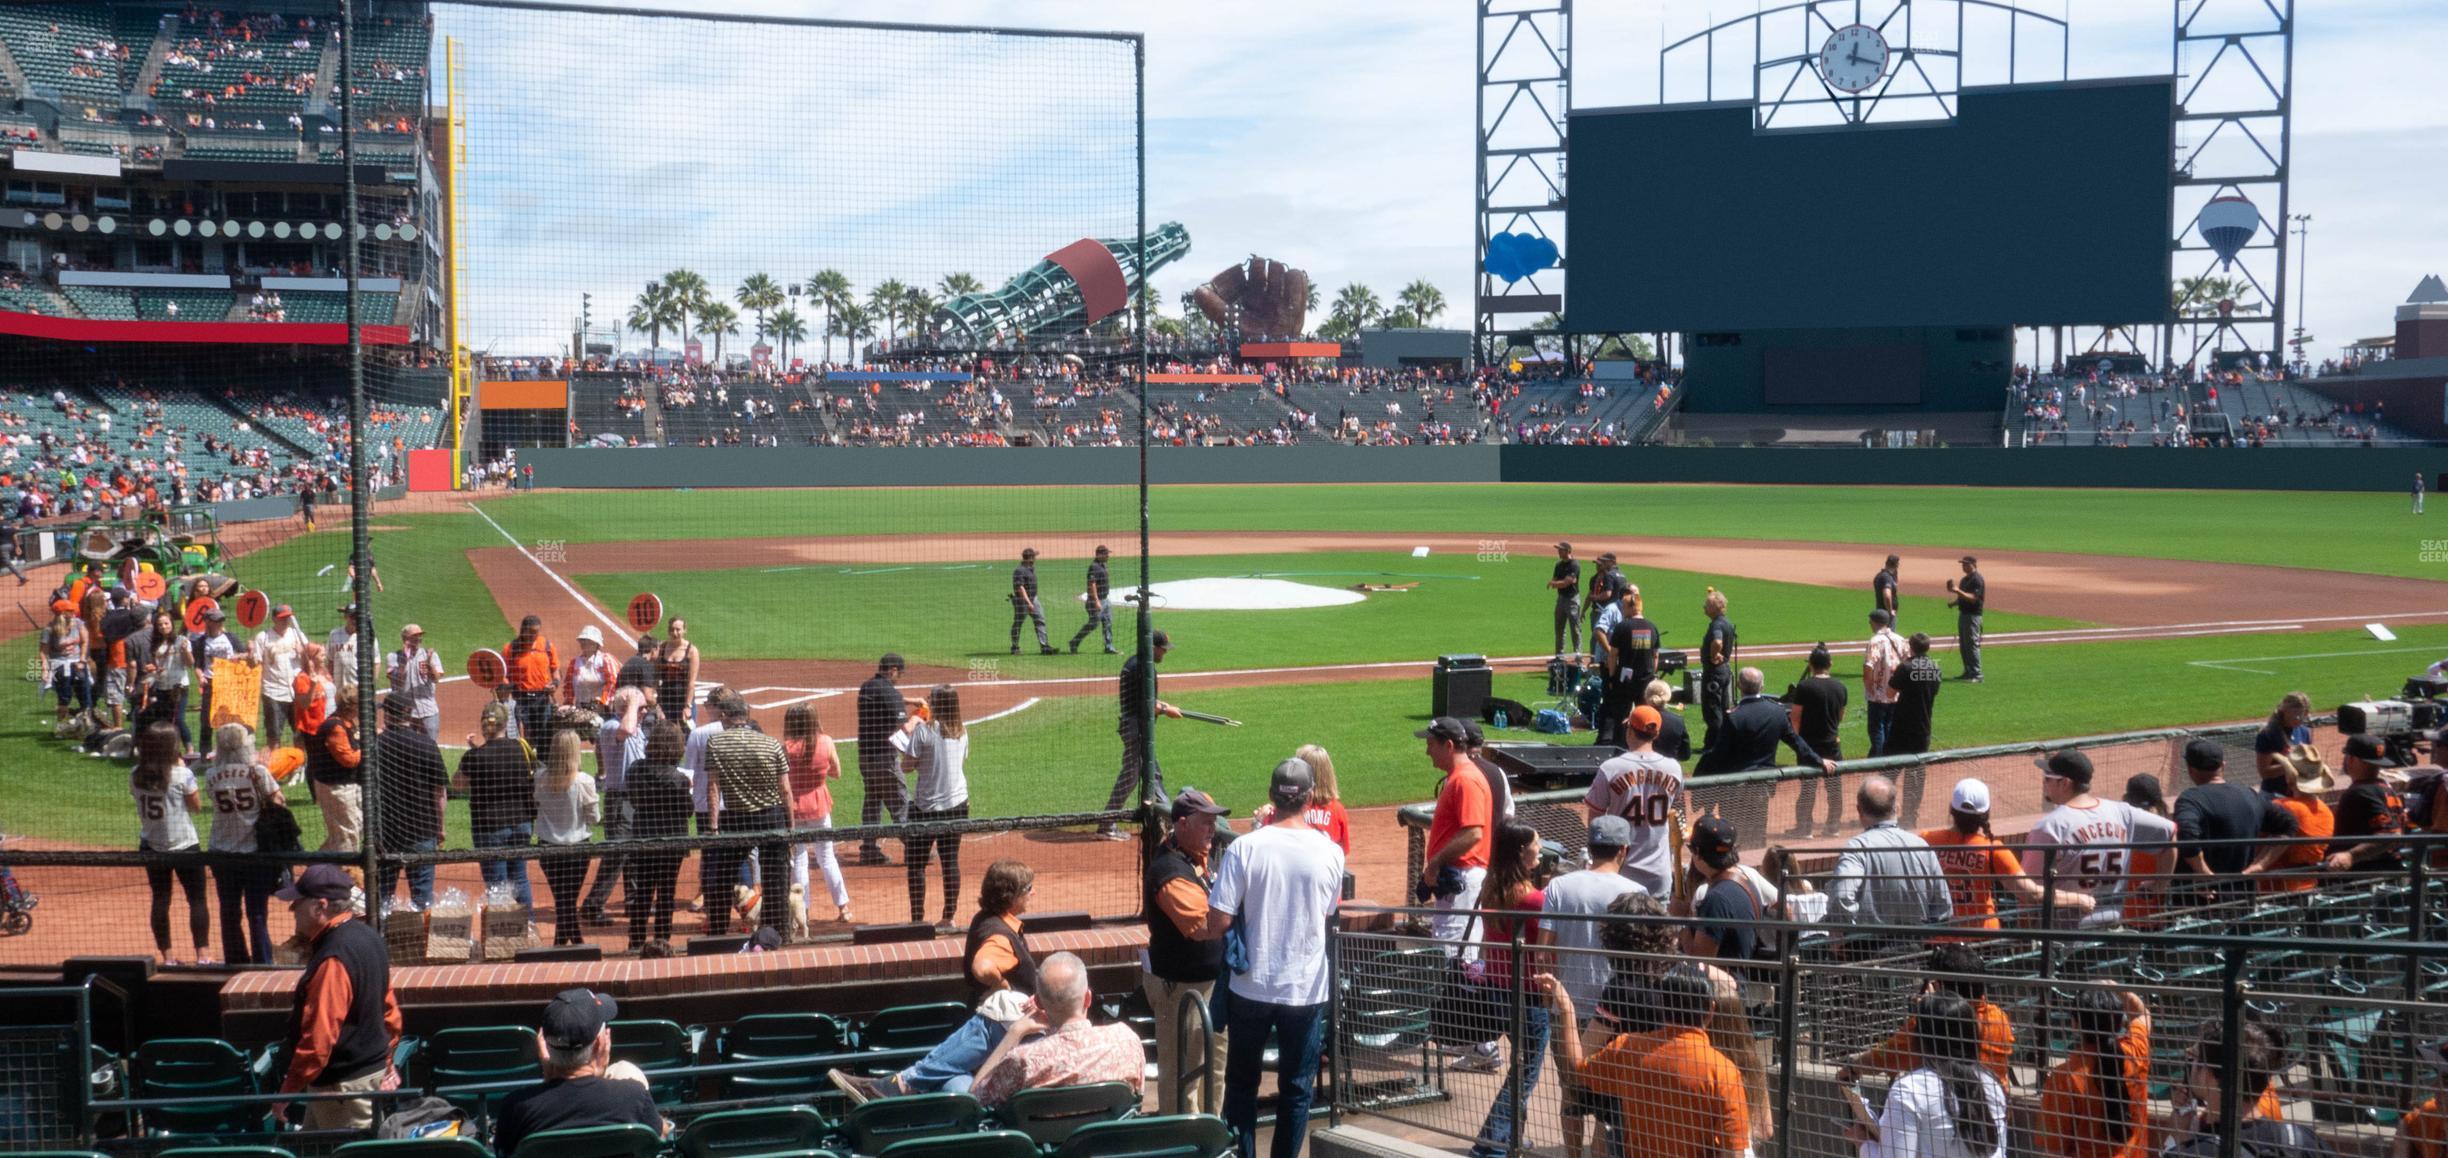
{"x":1273,"y":298}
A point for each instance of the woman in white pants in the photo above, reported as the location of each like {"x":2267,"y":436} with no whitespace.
{"x":813,"y":763}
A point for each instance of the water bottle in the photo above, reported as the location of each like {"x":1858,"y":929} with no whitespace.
{"x":1500,"y":717}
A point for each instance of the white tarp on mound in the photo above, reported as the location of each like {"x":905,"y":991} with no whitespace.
{"x":1237,"y":595}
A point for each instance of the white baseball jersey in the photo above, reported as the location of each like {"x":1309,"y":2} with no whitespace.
{"x":2101,"y":872}
{"x":1642,"y":787}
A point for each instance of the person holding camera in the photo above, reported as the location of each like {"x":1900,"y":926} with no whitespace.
{"x":1461,"y":832}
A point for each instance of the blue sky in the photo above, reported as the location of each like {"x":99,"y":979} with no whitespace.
{"x":1334,"y":135}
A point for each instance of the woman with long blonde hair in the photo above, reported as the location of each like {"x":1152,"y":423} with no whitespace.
{"x":1325,"y":801}
{"x":567,"y":808}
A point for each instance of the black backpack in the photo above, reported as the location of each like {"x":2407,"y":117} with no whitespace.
{"x":277,"y":831}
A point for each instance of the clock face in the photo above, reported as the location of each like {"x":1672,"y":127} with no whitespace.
{"x":1854,"y":58}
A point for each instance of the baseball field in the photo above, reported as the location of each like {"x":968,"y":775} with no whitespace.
{"x":2109,"y":610}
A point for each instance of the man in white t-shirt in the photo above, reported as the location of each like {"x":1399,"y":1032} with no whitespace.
{"x":693,"y":762}
{"x":281,"y":650}
{"x":1279,"y":885}
{"x":1583,"y":973}
{"x":1642,"y":786}
{"x":416,"y":672}
{"x":340,"y":649}
{"x":2085,"y":843}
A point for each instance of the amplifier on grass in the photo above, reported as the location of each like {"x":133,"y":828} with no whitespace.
{"x":1460,"y":686}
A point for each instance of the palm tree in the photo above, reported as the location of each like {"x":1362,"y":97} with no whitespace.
{"x":830,"y":289}
{"x":760,"y":293}
{"x":689,"y":290}
{"x":955,"y":284}
{"x":717,"y":319}
{"x":1423,"y":300}
{"x":788,"y":327}
{"x":884,"y":302}
{"x":654,"y":311}
{"x":918,"y":309}
{"x":1400,"y":318}
{"x":853,"y":323}
{"x":1358,"y":304}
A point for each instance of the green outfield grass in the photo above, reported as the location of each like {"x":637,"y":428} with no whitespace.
{"x":950,"y":614}
{"x":2370,"y":533}
{"x":1060,"y":755}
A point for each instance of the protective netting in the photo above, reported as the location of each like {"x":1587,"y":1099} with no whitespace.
{"x":587,"y":234}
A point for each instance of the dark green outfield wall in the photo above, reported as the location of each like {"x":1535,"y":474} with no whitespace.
{"x":714,"y":467}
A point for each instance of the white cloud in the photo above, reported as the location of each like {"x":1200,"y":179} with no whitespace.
{"x":1335,"y":136}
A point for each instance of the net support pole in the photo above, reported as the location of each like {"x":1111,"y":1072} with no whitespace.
{"x":361,"y":561}
{"x":1144,"y":738}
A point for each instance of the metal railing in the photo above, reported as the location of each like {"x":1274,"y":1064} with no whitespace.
{"x":1424,"y":1040}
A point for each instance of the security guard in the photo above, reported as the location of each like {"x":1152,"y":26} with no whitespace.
{"x":1024,"y":602}
{"x":1100,"y":586}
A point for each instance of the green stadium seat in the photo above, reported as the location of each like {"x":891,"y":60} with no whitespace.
{"x":226,"y":1152}
{"x":414,"y":1148}
{"x":626,"y":1140}
{"x":660,"y":1048}
{"x":754,"y":1133}
{"x":478,"y":1055}
{"x":1050,"y":1114}
{"x":872,"y":1126}
{"x":196,"y":1067}
{"x":776,"y":1036}
{"x":1160,"y":1136}
{"x":990,"y":1144}
{"x":912,"y":1026}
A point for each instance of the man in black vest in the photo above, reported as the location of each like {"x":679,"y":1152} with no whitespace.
{"x":1185,"y":943}
{"x":344,"y":1021}
{"x":1139,"y":711}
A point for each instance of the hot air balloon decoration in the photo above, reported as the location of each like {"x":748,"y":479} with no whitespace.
{"x":2228,"y":224}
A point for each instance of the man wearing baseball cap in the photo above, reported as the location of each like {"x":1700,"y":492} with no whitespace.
{"x":2085,"y":843}
{"x":576,"y":1041}
{"x":1727,"y":909}
{"x":345,"y":1020}
{"x":1460,"y":832}
{"x":1282,"y":882}
{"x":881,"y":709}
{"x":1185,"y":948}
{"x":2370,"y":812}
{"x":1099,"y":593}
{"x":1606,"y":588}
{"x":1025,"y":608}
{"x":415,"y":671}
{"x":1140,"y":707}
{"x":2215,"y":811}
{"x":212,"y":645}
{"x":281,"y":650}
{"x":1642,"y":788}
{"x":1566,"y":583}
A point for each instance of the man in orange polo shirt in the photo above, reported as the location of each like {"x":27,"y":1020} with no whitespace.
{"x":1687,"y":1097}
{"x":1460,"y":833}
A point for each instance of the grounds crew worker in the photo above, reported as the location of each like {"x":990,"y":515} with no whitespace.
{"x":1100,"y":588}
{"x":344,"y":1021}
{"x":1024,"y":602}
{"x":1185,"y":945}
{"x":1970,"y":598}
{"x":1137,"y":702}
{"x":1566,"y":583}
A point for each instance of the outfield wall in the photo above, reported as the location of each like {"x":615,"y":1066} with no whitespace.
{"x":667,"y":468}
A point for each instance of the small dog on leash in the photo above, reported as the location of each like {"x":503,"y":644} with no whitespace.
{"x":748,"y":900}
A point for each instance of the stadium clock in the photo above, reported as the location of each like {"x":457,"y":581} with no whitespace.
{"x":1853,"y":59}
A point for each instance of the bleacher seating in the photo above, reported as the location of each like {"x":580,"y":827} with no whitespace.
{"x":194,"y":305}
{"x":34,"y":300}
{"x":107,"y":303}
{"x":62,"y":47}
{"x":404,"y":46}
{"x":374,"y":309}
{"x":240,"y":79}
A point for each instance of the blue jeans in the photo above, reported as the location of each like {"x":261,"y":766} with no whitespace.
{"x":1882,"y":720}
{"x":1529,"y":1049}
{"x":512,"y":871}
{"x":1298,"y":1031}
{"x":952,"y":1066}
{"x":420,"y":876}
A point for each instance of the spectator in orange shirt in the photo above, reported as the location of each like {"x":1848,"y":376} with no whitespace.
{"x":1685,"y":1097}
{"x":1977,"y":865}
{"x":1960,"y":972}
{"x":310,"y":693}
{"x":534,"y":668}
{"x":2096,"y":1103}
{"x":334,"y":767}
{"x":2424,"y":1132}
{"x":2297,"y":868}
{"x":342,"y":1034}
{"x":1460,"y":833}
{"x":1325,"y":802}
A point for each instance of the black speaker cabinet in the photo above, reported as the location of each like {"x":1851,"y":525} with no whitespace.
{"x":1460,"y":686}
{"x":892,"y":934}
{"x":717,"y":946}
{"x":559,"y":953}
